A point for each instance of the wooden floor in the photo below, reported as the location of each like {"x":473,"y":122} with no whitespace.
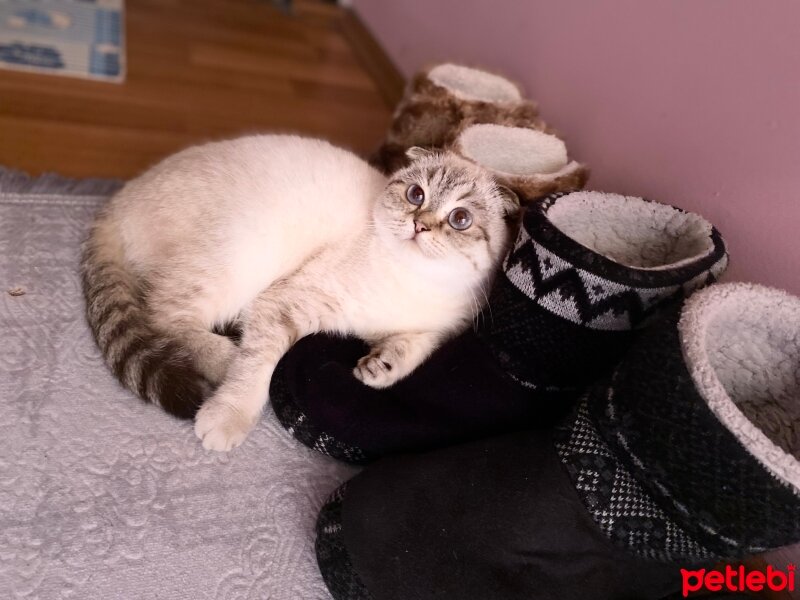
{"x":201,"y":70}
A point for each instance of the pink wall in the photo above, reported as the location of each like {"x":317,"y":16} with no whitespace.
{"x":692,"y":103}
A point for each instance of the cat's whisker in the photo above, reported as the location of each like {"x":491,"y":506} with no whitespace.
{"x":479,"y":312}
{"x":473,"y":306}
{"x":486,"y":305}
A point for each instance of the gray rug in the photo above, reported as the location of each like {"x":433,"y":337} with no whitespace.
{"x":103,"y":497}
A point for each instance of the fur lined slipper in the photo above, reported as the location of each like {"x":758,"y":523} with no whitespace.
{"x":687,"y":454}
{"x":439,"y":101}
{"x":586,"y":271}
{"x":532,"y":163}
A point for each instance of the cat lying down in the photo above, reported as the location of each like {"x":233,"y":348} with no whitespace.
{"x":290,"y":236}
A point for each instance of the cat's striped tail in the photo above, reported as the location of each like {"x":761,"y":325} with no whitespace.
{"x":150,"y":364}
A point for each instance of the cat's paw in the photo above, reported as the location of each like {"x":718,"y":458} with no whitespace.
{"x":221,"y":425}
{"x":376,"y":370}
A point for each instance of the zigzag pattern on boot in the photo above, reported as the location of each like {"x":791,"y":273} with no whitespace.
{"x":596,"y":302}
{"x":570,"y":285}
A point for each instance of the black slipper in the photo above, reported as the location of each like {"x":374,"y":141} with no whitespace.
{"x":687,"y":454}
{"x":587,"y":270}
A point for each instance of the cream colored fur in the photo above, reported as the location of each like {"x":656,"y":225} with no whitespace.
{"x":295,"y":236}
{"x":531,"y":162}
{"x":474,"y":84}
{"x":514,"y":150}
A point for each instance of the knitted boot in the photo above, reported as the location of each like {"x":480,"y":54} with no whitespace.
{"x":687,"y":454}
{"x":587,"y":269}
{"x":440,"y":100}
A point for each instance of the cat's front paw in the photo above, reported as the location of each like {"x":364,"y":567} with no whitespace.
{"x":221,"y":425}
{"x":376,"y":370}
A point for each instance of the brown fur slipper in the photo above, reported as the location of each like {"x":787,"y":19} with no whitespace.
{"x":530,"y":162}
{"x":439,"y":101}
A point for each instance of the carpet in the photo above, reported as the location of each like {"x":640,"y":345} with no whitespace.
{"x":102,"y":496}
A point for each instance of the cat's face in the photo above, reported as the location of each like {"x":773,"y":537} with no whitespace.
{"x":447,"y":215}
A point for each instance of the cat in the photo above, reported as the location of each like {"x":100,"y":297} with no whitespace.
{"x":287,"y":236}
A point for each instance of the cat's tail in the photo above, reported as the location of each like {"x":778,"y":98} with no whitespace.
{"x":150,"y":364}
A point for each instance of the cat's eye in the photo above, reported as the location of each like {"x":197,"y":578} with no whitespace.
{"x":415,"y":194}
{"x":460,"y":219}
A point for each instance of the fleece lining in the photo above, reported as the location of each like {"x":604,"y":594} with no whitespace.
{"x":631,"y":231}
{"x":472,"y":84}
{"x":742,"y":345}
{"x":514,"y":151}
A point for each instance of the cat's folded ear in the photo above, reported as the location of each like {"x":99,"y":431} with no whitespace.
{"x":510,"y":202}
{"x":416,"y":152}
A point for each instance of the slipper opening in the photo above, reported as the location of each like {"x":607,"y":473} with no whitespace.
{"x":513,"y":151}
{"x":742,"y":344}
{"x":473,"y":84}
{"x":632,"y":231}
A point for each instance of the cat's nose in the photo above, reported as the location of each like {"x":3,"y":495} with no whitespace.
{"x":420,"y":227}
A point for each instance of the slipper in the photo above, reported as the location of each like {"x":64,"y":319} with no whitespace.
{"x":586,"y":273}
{"x":439,"y":100}
{"x":687,"y":454}
{"x":532,"y":163}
